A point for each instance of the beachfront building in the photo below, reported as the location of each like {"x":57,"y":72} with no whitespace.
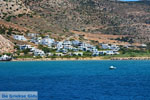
{"x":59,"y":54}
{"x":107,"y":52}
{"x":49,"y":54}
{"x":78,"y":53}
{"x":19,"y":37}
{"x":97,"y":53}
{"x":38,"y":52}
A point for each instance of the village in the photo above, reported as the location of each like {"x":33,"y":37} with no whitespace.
{"x":63,"y":48}
{"x":35,"y":46}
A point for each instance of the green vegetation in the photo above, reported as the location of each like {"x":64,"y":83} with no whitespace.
{"x":87,"y":54}
{"x":8,"y":19}
{"x":130,"y":53}
{"x":9,"y":54}
{"x":4,"y":30}
{"x":25,"y":56}
{"x":26,"y":51}
{"x":20,"y":15}
{"x":125,"y":39}
{"x":46,"y":49}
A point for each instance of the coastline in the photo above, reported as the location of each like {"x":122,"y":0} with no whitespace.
{"x":78,"y":59}
{"x":130,"y":58}
{"x":59,"y":59}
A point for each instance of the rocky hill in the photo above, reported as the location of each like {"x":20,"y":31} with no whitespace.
{"x":6,"y":46}
{"x":12,"y":8}
{"x":94,"y":16}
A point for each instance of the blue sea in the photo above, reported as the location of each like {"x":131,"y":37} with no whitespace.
{"x":78,"y":80}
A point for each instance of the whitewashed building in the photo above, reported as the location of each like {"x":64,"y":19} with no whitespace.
{"x":38,"y":52}
{"x":19,"y":37}
{"x":47,"y":41}
{"x":32,"y":35}
{"x":105,"y":46}
{"x":78,"y":53}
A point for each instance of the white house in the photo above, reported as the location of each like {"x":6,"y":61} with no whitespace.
{"x":114,"y":48}
{"x":23,"y":47}
{"x":59,"y":45}
{"x":59,"y":54}
{"x":38,"y":52}
{"x":78,"y":53}
{"x":110,"y":52}
{"x":105,"y":46}
{"x":67,"y":45}
{"x":49,"y":54}
{"x":76,"y":43}
{"x":19,"y":37}
{"x":36,"y":40}
{"x":47,"y":41}
{"x":96,"y":53}
{"x":32,"y":35}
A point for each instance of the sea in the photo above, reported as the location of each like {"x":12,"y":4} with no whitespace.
{"x":78,"y":80}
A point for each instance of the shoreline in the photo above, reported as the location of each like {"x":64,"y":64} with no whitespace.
{"x":59,"y":59}
{"x":79,"y":59}
{"x":130,"y":58}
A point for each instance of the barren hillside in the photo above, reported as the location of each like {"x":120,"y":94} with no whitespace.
{"x":12,"y":8}
{"x":6,"y":46}
{"x":94,"y":16}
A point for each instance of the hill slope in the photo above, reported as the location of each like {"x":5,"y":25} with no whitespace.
{"x":12,"y":8}
{"x":95,"y":16}
{"x":6,"y":46}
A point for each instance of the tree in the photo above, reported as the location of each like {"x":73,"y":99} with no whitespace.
{"x":9,"y":31}
{"x":26,"y":51}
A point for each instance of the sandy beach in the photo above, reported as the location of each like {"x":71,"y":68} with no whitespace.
{"x":58,"y":59}
{"x":87,"y":58}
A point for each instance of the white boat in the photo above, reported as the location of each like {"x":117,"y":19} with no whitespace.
{"x":5,"y":58}
{"x":112,"y":67}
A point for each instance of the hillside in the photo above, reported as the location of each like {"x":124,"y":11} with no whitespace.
{"x":12,"y":8}
{"x":92,"y":16}
{"x":6,"y":46}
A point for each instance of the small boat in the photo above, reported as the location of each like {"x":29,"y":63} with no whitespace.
{"x":112,"y":67}
{"x":5,"y":58}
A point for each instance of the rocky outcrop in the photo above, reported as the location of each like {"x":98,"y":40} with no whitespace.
{"x":6,"y":46}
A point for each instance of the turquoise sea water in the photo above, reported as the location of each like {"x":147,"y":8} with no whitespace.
{"x":78,"y":80}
